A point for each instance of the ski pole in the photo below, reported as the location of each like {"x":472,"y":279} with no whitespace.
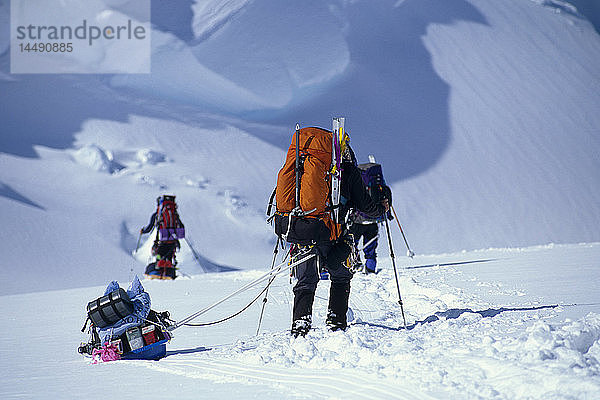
{"x":391,"y":246}
{"x":196,"y":257}
{"x":267,"y":289}
{"x":409,"y":252}
{"x":137,"y":246}
{"x":364,"y":246}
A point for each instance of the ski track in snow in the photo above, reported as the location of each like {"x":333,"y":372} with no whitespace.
{"x":306,"y":382}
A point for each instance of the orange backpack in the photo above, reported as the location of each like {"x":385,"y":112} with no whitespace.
{"x":311,"y":221}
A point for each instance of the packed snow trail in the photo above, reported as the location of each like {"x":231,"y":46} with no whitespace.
{"x":305,"y":382}
{"x":457,"y":345}
{"x":472,"y":335}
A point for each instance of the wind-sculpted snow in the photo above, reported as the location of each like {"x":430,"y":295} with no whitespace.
{"x":295,"y":47}
{"x":480,"y":150}
{"x":96,"y":158}
{"x":211,"y":15}
{"x":258,"y":77}
{"x":194,"y":83}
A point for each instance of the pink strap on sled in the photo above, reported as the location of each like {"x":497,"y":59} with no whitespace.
{"x":108,"y":352}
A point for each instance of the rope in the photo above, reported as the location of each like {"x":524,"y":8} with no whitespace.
{"x":237,"y":313}
{"x":242,"y":289}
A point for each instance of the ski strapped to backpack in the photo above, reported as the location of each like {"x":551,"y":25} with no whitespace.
{"x":168,"y":223}
{"x":336,"y":164}
{"x":308,"y":186}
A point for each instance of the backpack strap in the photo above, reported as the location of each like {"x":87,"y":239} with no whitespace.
{"x":159,"y":210}
{"x":85,"y":323}
{"x":101,"y":312}
{"x":157,"y":224}
{"x":271,"y":204}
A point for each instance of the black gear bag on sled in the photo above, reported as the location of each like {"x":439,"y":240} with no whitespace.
{"x":109,"y":309}
{"x":145,"y":342}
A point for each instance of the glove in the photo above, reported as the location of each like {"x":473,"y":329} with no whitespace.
{"x":386,"y":204}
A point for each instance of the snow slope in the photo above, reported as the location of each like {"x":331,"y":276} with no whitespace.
{"x":482,"y":325}
{"x":99,"y":243}
{"x":484,"y":116}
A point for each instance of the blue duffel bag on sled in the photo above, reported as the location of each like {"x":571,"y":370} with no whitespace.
{"x":124,"y":327}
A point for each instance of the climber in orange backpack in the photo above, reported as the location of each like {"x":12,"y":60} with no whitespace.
{"x":169,"y":229}
{"x":310,"y":215}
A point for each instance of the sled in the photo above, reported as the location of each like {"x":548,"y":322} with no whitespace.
{"x":154,"y":351}
{"x":159,"y":277}
{"x":147,"y":341}
{"x":161,"y":270}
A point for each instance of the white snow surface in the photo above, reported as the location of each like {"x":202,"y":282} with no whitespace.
{"x":490,"y":324}
{"x":484,"y":116}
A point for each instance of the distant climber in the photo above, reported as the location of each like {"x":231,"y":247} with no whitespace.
{"x":169,"y":229}
{"x":365,"y":226}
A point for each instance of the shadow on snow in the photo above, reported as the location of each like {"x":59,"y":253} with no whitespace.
{"x":10,"y":193}
{"x":455,"y":313}
{"x":396,"y":103}
{"x":450,"y":264}
{"x":198,"y":349}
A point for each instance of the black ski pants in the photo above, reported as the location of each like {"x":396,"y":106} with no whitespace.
{"x":166,"y":249}
{"x":332,"y":254}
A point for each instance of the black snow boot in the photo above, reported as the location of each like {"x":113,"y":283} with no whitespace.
{"x":301,"y":326}
{"x":338,"y":306}
{"x":302,"y":314}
